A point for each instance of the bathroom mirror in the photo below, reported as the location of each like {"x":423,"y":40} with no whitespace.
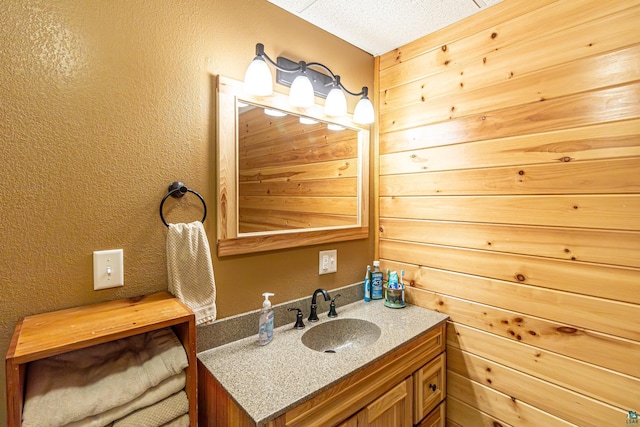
{"x":287,"y":177}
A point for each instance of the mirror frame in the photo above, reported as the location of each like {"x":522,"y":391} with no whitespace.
{"x":230,"y":241}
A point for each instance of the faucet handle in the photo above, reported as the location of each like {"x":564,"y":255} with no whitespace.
{"x":332,"y":307}
{"x":299,"y":323}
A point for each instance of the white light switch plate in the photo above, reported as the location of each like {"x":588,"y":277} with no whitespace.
{"x":328,"y":262}
{"x":108,"y":269}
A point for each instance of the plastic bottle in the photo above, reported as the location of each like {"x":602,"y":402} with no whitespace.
{"x":265,"y":330}
{"x":367,"y":285}
{"x":376,"y":281}
{"x":402,"y":284}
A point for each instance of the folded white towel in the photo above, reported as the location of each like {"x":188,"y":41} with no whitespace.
{"x":82,"y":383}
{"x":158,"y":414}
{"x":182,"y":421}
{"x":150,"y":397}
{"x":190,"y":272}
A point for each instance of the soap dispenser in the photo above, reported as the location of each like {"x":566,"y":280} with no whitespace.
{"x":265,"y":330}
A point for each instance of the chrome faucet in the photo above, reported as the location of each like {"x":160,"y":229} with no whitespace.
{"x":313,"y":316}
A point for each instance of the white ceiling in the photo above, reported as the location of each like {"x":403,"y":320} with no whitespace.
{"x":378,"y":26}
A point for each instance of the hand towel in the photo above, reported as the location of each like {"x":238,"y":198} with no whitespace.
{"x":78,"y":384}
{"x":190,"y":272}
{"x":158,"y":414}
{"x":166,"y":388}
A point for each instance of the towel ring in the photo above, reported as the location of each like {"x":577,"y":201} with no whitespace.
{"x":178,"y":189}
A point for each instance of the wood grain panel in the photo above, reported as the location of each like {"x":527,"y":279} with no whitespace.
{"x":295,"y":156}
{"x":265,"y":141}
{"x":326,"y":205}
{"x":599,"y":383}
{"x":600,"y":141}
{"x":559,"y":401}
{"x":608,"y":212}
{"x":255,"y":128}
{"x":461,"y":414}
{"x":454,"y":50}
{"x":262,"y":243}
{"x":49,"y":334}
{"x":490,"y":85}
{"x":323,"y":170}
{"x":453,"y":73}
{"x":338,"y":187}
{"x":217,"y":409}
{"x":602,"y":318}
{"x":615,"y":283}
{"x":258,"y":131}
{"x":288,"y":152}
{"x":391,"y":409}
{"x":226,"y":202}
{"x":316,"y":136}
{"x":592,"y":177}
{"x":574,"y":244}
{"x":510,"y":409}
{"x":256,"y":220}
{"x":508,"y":191}
{"x":617,"y":103}
{"x":483,"y":21}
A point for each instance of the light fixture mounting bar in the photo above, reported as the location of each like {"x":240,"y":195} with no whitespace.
{"x":322,"y":83}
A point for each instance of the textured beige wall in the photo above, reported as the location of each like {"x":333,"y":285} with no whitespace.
{"x":103,"y":103}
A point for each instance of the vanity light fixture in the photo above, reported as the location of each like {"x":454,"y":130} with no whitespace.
{"x":305,"y":82}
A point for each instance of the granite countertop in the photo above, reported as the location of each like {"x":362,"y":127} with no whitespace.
{"x":266,"y":381}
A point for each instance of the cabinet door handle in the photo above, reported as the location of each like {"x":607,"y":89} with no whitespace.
{"x":432,"y":387}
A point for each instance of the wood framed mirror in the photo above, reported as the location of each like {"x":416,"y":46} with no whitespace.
{"x":283,"y":183}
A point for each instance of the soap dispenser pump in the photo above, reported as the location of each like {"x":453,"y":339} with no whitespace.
{"x":265,"y":329}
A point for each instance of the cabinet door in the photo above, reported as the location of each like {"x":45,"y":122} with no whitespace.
{"x":392,"y":409}
{"x":351,"y":422}
{"x":436,"y":418}
{"x":429,"y":387}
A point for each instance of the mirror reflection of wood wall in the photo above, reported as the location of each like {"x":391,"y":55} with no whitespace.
{"x":294,"y":175}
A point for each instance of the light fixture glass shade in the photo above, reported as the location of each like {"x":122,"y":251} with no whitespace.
{"x":301,"y":93}
{"x":363,"y":113}
{"x":333,"y":126}
{"x":257,"y":79}
{"x":307,"y":121}
{"x":274,"y":113}
{"x":336,"y":103}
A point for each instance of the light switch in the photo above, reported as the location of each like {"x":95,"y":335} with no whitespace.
{"x":108,"y":269}
{"x":328,"y":262}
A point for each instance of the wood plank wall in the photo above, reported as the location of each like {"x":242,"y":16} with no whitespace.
{"x":509,"y":192}
{"x":293,"y":175}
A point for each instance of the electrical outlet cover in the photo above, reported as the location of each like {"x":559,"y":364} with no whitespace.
{"x":328,"y":261}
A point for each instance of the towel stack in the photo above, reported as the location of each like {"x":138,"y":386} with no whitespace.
{"x":137,"y":381}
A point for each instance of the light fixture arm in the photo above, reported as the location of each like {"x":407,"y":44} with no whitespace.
{"x":302,"y":66}
{"x":260,"y":53}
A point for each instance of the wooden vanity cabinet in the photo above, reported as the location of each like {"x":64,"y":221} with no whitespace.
{"x":383,"y":394}
{"x":48,"y":334}
{"x":429,"y":387}
{"x":436,"y":418}
{"x":391,"y":409}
